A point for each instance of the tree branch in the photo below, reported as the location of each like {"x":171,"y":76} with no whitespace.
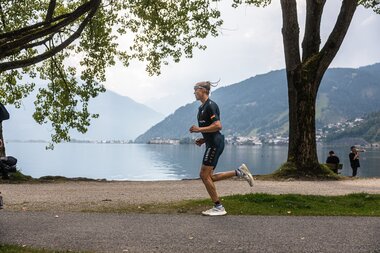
{"x":312,"y":38}
{"x":50,"y":11}
{"x":290,"y":34}
{"x":30,"y":45}
{"x":27,"y":62}
{"x":28,"y":29}
{"x":2,"y":17}
{"x":337,"y":35}
{"x":11,"y":45}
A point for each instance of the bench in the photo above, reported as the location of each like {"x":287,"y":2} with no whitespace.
{"x":335,"y":167}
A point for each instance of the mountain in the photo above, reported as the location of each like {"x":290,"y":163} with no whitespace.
{"x":260,"y":104}
{"x":120,"y":118}
{"x":368,"y":129}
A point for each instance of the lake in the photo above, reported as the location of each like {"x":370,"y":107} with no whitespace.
{"x":160,"y":162}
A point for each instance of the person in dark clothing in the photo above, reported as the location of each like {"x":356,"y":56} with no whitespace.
{"x":354,"y":160}
{"x":209,"y":125}
{"x":332,"y":158}
{"x":333,"y":161}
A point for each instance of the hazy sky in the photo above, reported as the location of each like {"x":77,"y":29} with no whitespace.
{"x":250,"y":44}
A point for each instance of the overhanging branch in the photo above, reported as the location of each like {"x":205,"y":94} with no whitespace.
{"x":11,"y":45}
{"x":33,"y":60}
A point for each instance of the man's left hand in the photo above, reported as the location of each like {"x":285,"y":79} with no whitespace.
{"x":194,"y":129}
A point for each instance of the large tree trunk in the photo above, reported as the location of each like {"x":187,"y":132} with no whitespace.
{"x":304,"y":76}
{"x":302,"y":94}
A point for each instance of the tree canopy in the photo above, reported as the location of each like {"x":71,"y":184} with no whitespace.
{"x":46,"y":40}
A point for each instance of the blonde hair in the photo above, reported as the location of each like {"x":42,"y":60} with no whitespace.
{"x":207,"y":85}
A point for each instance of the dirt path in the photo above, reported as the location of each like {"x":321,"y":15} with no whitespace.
{"x":77,"y":196}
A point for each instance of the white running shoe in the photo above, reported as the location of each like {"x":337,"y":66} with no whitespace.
{"x":246,"y":174}
{"x":215,"y":211}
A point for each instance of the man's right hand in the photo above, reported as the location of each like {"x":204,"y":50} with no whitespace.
{"x":199,"y":141}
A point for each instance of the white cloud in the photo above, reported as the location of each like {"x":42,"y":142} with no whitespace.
{"x":250,"y":43}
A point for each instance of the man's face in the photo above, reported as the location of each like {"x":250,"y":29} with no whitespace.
{"x":199,"y":91}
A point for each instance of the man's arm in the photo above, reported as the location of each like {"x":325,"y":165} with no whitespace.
{"x":214,"y":127}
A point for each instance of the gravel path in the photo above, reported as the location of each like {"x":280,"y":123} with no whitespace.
{"x":77,"y":196}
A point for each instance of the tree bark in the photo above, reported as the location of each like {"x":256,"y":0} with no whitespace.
{"x":304,"y":77}
{"x":302,"y":142}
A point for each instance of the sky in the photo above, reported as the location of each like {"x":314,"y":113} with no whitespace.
{"x":250,"y":43}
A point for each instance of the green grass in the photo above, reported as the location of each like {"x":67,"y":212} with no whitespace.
{"x":288,"y":170}
{"x":305,"y":205}
{"x":361,"y":204}
{"x":266,"y":204}
{"x":5,"y":248}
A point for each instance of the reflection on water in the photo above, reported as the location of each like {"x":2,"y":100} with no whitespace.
{"x":160,"y":162}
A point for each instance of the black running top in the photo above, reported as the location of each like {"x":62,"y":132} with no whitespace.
{"x":208,"y":113}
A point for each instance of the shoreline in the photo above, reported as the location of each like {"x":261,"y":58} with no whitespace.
{"x":58,"y":179}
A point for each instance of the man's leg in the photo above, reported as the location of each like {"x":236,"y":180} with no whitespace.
{"x":206,"y":175}
{"x":229,"y":174}
{"x":223,"y":175}
{"x":209,"y":178}
{"x":354,"y":171}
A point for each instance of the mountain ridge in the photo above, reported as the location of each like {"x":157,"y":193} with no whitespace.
{"x":259,"y":104}
{"x":120,"y":118}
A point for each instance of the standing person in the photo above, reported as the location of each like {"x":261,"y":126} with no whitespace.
{"x":354,"y":160}
{"x":209,"y":126}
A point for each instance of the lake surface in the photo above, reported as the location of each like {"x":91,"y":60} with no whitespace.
{"x":160,"y":162}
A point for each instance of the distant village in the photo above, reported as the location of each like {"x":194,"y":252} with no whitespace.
{"x":234,"y":140}
{"x":272,"y":138}
{"x":322,"y":133}
{"x":262,"y":139}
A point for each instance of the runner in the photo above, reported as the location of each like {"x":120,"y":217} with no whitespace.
{"x":209,"y":125}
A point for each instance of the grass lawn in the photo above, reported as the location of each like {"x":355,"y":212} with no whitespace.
{"x":252,"y":204}
{"x":266,"y":204}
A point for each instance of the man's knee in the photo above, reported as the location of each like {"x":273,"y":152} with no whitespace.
{"x":203,"y":175}
{"x":206,"y":172}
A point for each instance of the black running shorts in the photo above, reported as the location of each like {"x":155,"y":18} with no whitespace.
{"x":213,"y":151}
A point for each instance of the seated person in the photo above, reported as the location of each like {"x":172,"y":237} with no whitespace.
{"x":333,"y":160}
